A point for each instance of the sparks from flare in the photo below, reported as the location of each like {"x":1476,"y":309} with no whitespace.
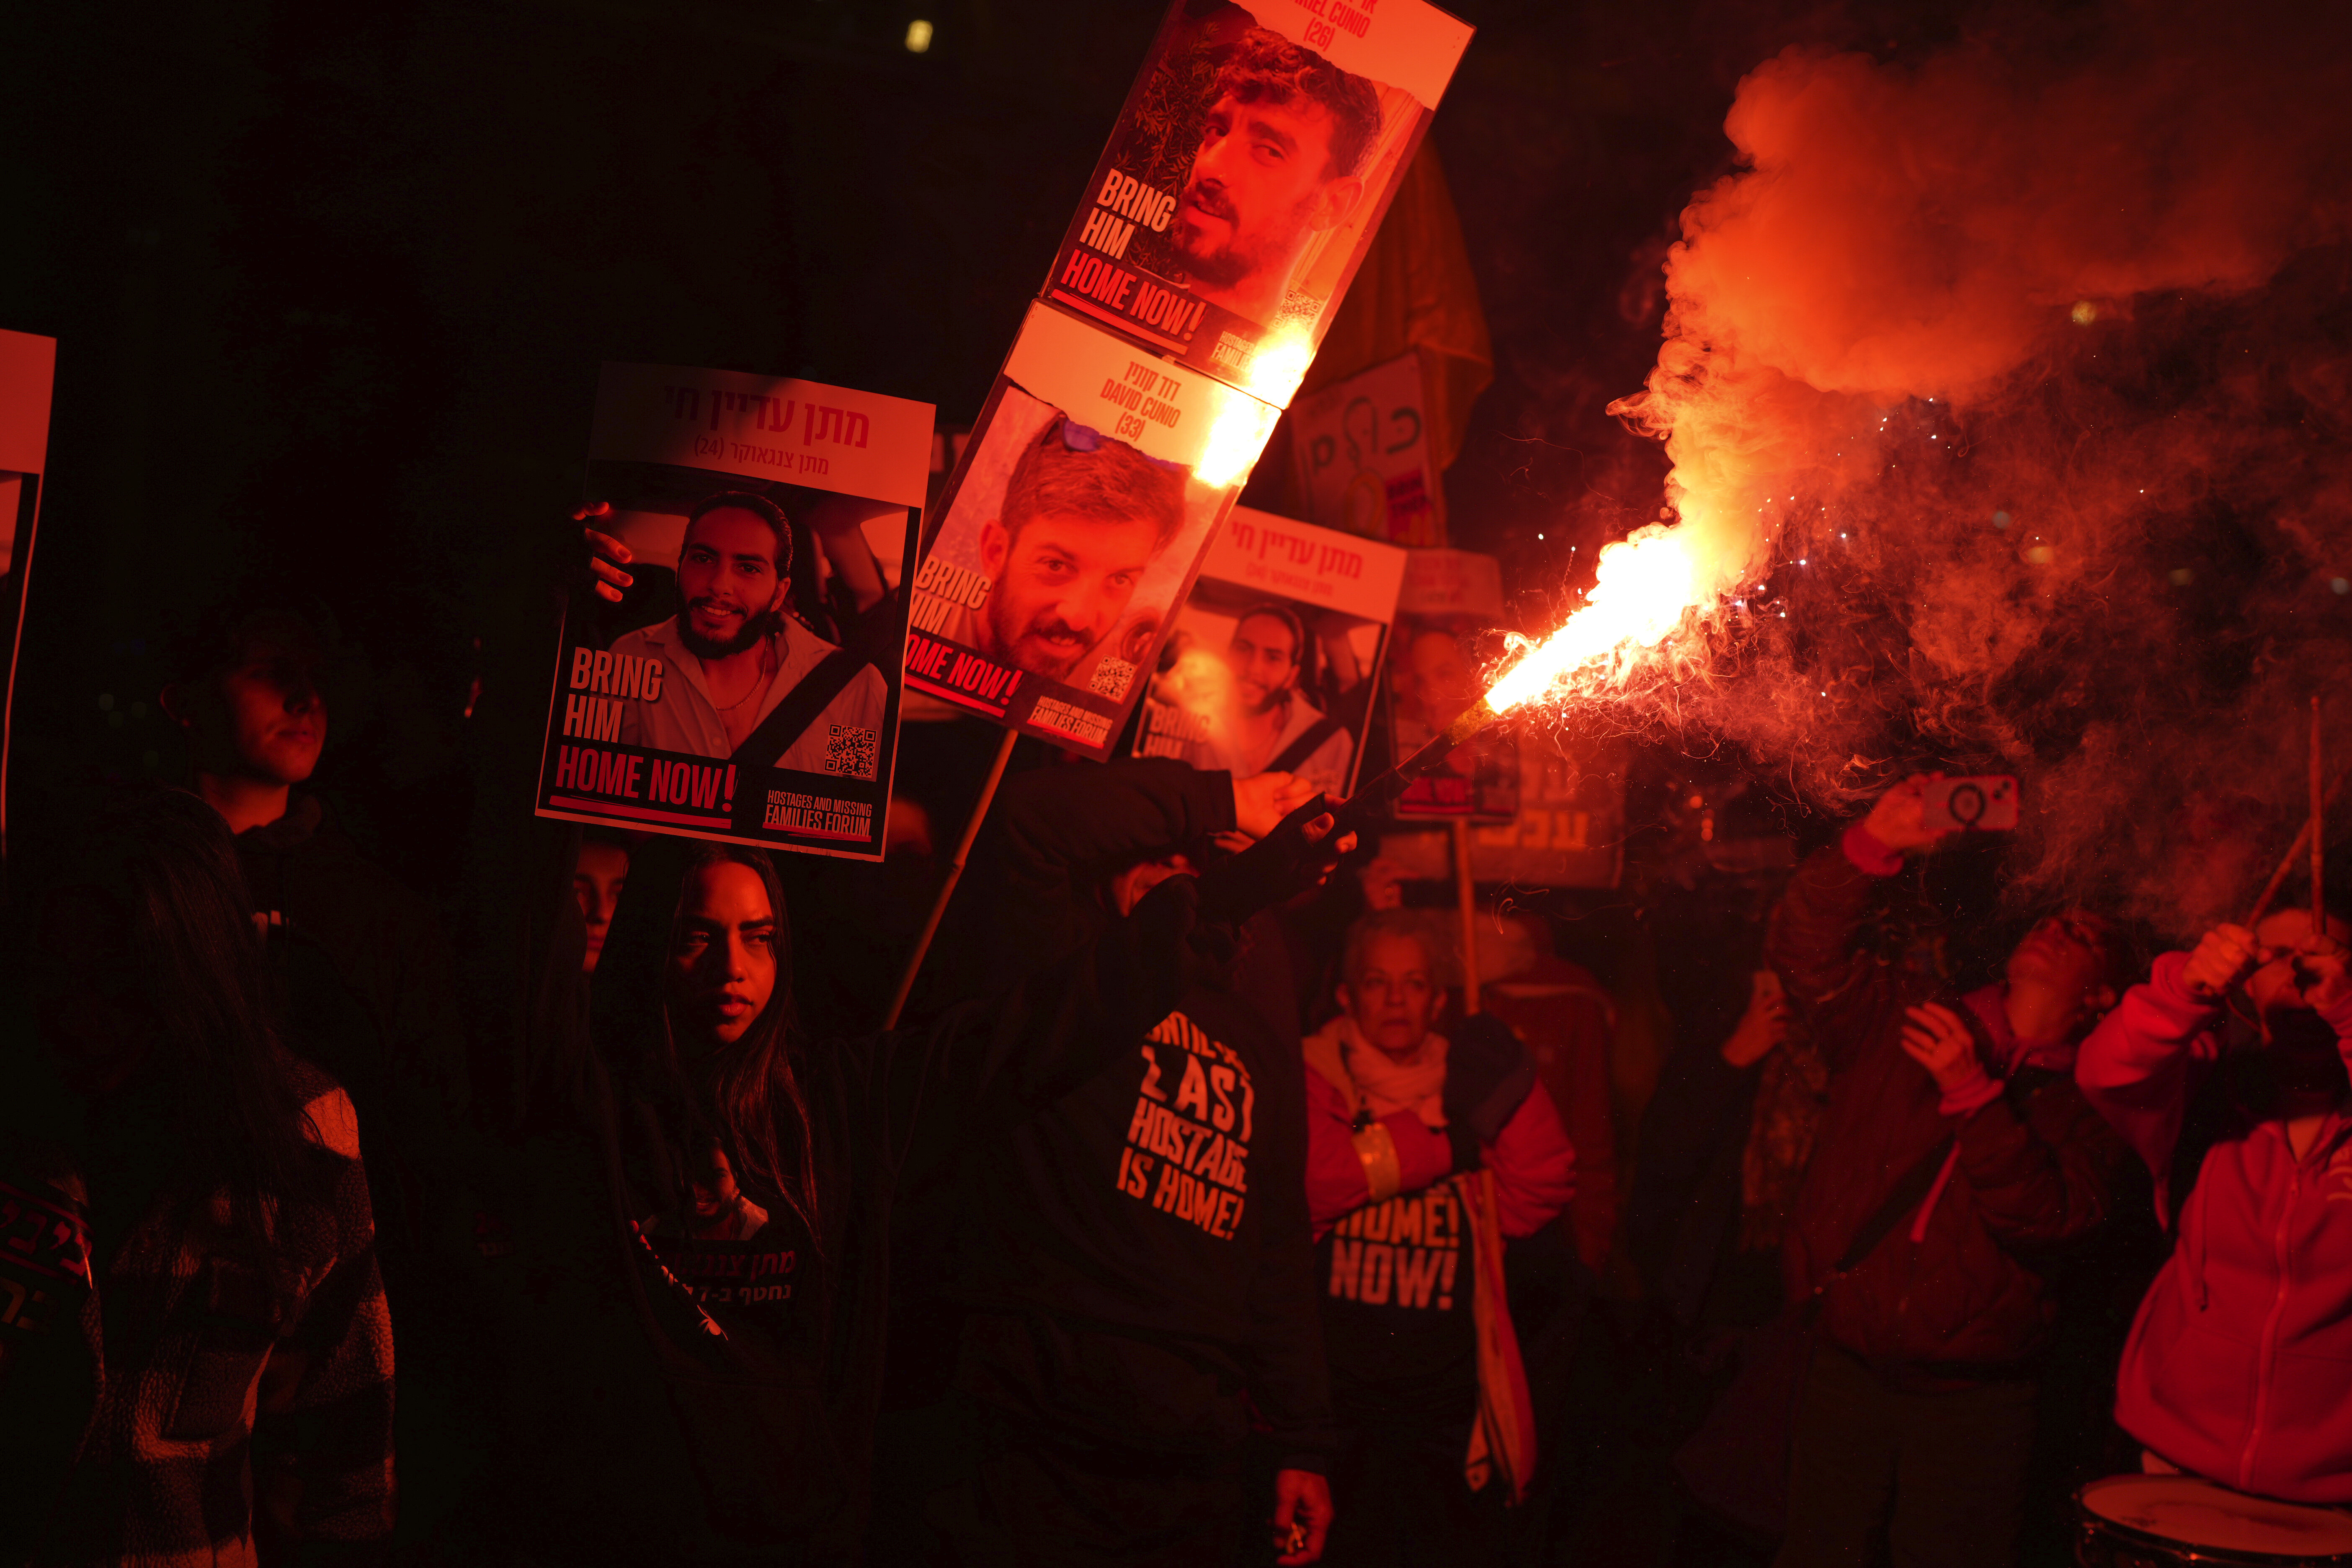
{"x":1642,"y":588}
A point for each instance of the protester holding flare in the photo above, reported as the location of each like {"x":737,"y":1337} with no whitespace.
{"x":1954,"y":1164}
{"x":701,"y":1203}
{"x":2239,"y":1368}
{"x":1134,"y":1259}
{"x":1425,"y":1152}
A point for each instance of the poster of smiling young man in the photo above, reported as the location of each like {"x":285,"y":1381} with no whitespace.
{"x":1247,"y":173}
{"x":1095,"y":478}
{"x":746,"y":686}
{"x":1274,"y":659}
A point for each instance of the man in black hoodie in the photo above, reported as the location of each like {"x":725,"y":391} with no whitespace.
{"x":364,"y":961}
{"x":1134,"y":1259}
{"x":365,"y":976}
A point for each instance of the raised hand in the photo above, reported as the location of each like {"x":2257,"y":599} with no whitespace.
{"x":1764,"y":1024}
{"x":1937,"y":1040}
{"x":2322,"y":973}
{"x":606,"y":554}
{"x":1899,"y":819}
{"x":2226,"y":954}
{"x":1302,"y":1516}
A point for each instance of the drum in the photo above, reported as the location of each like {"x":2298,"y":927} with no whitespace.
{"x":2176,"y":1522}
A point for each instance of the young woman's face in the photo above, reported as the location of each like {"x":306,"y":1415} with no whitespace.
{"x":92,"y":1013}
{"x":722,"y":956}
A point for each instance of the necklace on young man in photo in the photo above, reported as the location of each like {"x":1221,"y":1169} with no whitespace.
{"x":759,"y":687}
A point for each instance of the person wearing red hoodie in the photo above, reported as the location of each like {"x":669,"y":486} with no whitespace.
{"x":2239,"y":1368}
{"x":1917,"y":1415}
{"x":1425,"y":1156}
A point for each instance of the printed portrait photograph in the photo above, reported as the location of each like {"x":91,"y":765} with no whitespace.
{"x":1256,"y":683}
{"x":1082,"y":541}
{"x":762,"y":626}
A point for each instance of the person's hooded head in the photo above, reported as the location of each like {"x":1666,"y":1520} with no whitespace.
{"x":248,"y":691}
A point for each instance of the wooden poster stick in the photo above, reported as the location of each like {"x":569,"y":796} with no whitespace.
{"x":948,"y":887}
{"x":1468,"y":895}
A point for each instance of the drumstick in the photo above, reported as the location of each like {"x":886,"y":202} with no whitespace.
{"x":2286,"y":862}
{"x":2318,"y":828}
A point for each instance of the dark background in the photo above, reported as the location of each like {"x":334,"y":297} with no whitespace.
{"x":332,"y":285}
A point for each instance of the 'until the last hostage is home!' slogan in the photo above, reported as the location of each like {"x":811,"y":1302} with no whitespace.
{"x":725,"y":696}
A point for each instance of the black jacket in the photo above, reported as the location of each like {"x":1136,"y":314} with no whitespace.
{"x":1135,"y":1254}
{"x":631,"y":1430}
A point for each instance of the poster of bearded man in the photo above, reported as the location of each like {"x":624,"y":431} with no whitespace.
{"x":745,"y":683}
{"x":1274,"y":660}
{"x":1246,"y":175}
{"x":1072,"y":531}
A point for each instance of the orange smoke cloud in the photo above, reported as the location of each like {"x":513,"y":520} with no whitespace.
{"x":1894,"y":232}
{"x":1997,"y":346}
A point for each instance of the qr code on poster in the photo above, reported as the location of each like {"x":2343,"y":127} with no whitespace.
{"x":850,"y":749}
{"x":1111,"y":677}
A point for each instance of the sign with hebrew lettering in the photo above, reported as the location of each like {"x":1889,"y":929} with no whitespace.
{"x":1570,"y":831}
{"x":1274,"y":659}
{"x":1447,"y":615}
{"x":28,"y":372}
{"x":746,"y":687}
{"x":1243,"y":181}
{"x":1362,"y":456}
{"x":1072,"y":531}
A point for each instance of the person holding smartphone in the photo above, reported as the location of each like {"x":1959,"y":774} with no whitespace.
{"x":1958,"y":1156}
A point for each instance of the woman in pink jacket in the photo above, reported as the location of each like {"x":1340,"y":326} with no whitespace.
{"x":2239,"y":1368}
{"x":1424,"y":1154}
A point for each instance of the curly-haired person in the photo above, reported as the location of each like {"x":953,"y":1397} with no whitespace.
{"x":1281,"y":157}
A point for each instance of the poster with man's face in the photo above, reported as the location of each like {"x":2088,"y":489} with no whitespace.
{"x":1093,"y":482}
{"x":1447,"y":613}
{"x":1246,"y":174}
{"x":28,"y":371}
{"x":746,"y":687}
{"x":1274,"y":659}
{"x":1361,"y":456}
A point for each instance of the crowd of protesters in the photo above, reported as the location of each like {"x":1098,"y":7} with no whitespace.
{"x":1203,"y":1214}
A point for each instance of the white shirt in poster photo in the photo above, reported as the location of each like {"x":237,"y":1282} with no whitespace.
{"x":734,"y":654}
{"x":1248,"y":710}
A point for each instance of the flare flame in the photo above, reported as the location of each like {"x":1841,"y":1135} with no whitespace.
{"x":1646,"y":582}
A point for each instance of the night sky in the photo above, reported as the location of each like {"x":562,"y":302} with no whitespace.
{"x":332,"y":285}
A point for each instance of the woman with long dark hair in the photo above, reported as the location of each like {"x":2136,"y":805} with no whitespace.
{"x":203,"y":1186}
{"x":699,"y":1200}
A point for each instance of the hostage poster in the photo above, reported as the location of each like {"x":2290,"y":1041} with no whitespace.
{"x":27,"y":369}
{"x":1273,"y":662}
{"x":1071,"y":532}
{"x":747,"y":686}
{"x":1448,"y":614}
{"x":1246,"y":174}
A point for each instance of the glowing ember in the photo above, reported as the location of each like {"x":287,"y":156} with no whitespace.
{"x":1645,"y":584}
